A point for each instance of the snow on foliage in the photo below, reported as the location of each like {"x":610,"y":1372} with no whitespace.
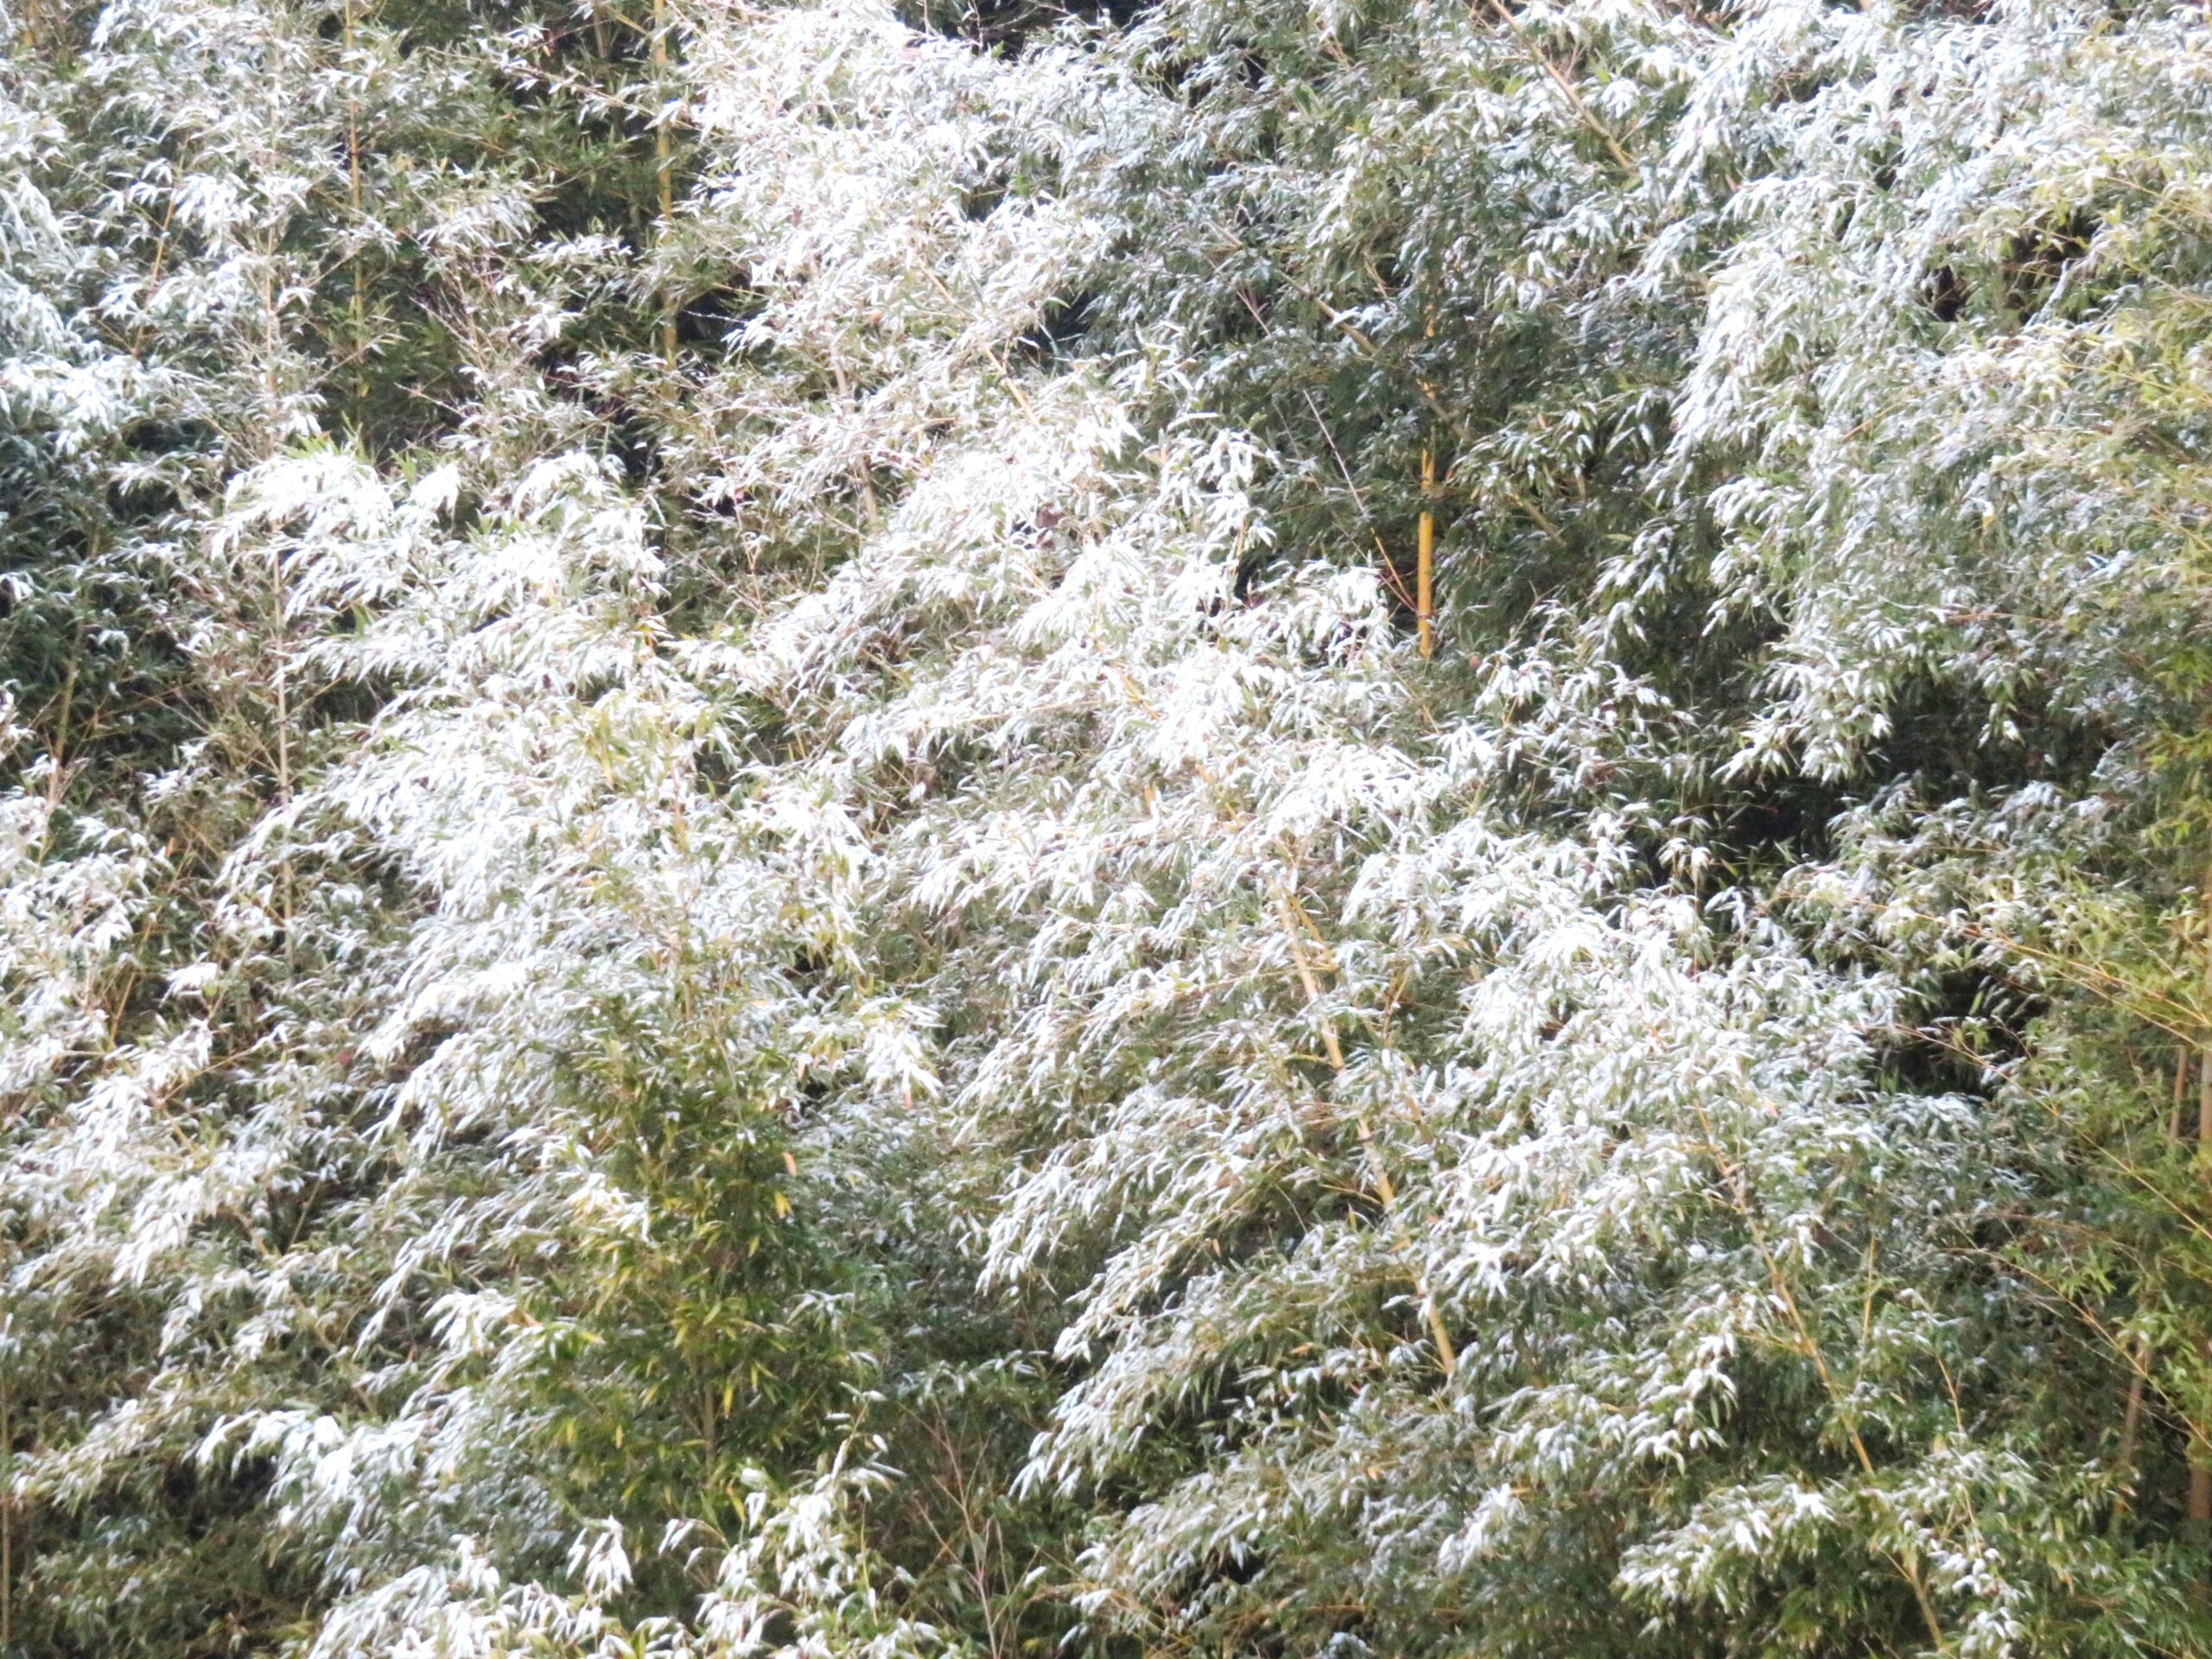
{"x":748,"y":905}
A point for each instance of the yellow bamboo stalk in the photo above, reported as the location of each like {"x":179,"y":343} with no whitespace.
{"x":7,"y":1516}
{"x":2131,"y":1429}
{"x":358,"y":346}
{"x":664,"y":167}
{"x":2200,"y":1454}
{"x":1424,"y":556}
{"x":2130,"y":1415}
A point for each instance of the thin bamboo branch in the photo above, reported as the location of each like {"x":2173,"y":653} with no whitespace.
{"x":1808,"y":1345}
{"x":1568,"y":89}
{"x":1448,"y":1356}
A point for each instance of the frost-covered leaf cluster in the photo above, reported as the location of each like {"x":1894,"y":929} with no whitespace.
{"x":1210,"y":827}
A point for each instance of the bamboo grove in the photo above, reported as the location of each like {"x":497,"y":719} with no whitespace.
{"x":1296,"y":828}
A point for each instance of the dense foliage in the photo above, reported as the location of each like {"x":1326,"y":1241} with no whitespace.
{"x":1347,"y":828}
